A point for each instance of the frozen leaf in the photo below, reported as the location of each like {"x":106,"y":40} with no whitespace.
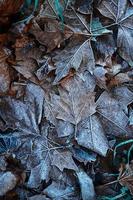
{"x":38,"y":174}
{"x":122,"y":14}
{"x":64,"y":128}
{"x":73,"y":106}
{"x":86,"y":185}
{"x":85,"y":80}
{"x":76,"y":21}
{"x":123,"y":95}
{"x":110,"y":109}
{"x":58,"y":191}
{"x":83,"y":155}
{"x":34,"y":95}
{"x":63,"y":160}
{"x":91,"y":135}
{"x":7,"y":182}
{"x":71,"y":58}
{"x":25,"y":115}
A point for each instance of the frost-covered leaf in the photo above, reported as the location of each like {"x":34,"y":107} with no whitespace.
{"x":58,"y":191}
{"x":64,"y":128}
{"x":8,"y":181}
{"x":63,"y":160}
{"x":83,"y":155}
{"x":73,"y":106}
{"x":110,"y":109}
{"x":72,"y":57}
{"x":91,"y":135}
{"x":38,"y":174}
{"x":86,"y":185}
{"x":122,"y":14}
{"x":25,"y":115}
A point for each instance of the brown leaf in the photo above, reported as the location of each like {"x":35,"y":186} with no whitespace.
{"x":126,"y":178}
{"x":10,"y":7}
{"x":4,"y":72}
{"x":51,"y":35}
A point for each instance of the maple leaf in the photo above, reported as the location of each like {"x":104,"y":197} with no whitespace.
{"x":72,"y":57}
{"x":122,"y":14}
{"x":72,"y":106}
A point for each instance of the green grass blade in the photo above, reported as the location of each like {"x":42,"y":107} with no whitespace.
{"x":121,"y":144}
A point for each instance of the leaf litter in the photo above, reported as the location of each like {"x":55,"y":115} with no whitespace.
{"x":66,"y":100}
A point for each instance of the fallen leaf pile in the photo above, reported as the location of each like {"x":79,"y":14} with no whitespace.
{"x":66,"y":97}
